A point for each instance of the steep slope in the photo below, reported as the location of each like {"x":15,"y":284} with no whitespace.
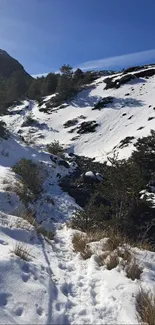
{"x":8,"y":65}
{"x":54,"y":285}
{"x":130,"y":114}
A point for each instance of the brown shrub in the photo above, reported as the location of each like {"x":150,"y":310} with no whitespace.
{"x":145,"y":305}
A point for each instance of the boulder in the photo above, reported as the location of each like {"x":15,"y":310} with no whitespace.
{"x":86,"y":127}
{"x":63,"y":163}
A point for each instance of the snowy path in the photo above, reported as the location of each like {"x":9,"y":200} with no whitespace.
{"x":56,"y":286}
{"x":86,"y":293}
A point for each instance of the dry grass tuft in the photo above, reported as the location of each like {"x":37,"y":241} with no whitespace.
{"x":80,"y":242}
{"x":145,"y":305}
{"x":21,"y":251}
{"x":112,"y":261}
{"x":133,"y":270}
{"x":96,"y":235}
{"x":144,"y":245}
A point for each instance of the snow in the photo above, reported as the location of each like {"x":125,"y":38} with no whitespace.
{"x":90,"y":174}
{"x":56,"y":286}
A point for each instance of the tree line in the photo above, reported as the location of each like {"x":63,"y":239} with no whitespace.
{"x":20,"y":85}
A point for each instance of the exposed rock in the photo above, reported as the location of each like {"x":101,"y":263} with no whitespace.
{"x":151,"y":118}
{"x":110,"y":83}
{"x":129,"y":118}
{"x":63,"y":163}
{"x":131,"y":69}
{"x":70,"y":123}
{"x":54,"y":158}
{"x":76,"y":187}
{"x":145,"y":73}
{"x":86,"y":127}
{"x":103,"y":102}
{"x":3,"y":131}
{"x":140,"y":128}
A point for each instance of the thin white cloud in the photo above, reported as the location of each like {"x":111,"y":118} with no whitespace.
{"x":120,"y":61}
{"x":115,"y":62}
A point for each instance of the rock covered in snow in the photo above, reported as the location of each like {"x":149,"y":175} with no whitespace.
{"x":91,"y":177}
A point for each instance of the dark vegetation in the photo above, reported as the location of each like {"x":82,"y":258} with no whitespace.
{"x":86,"y":127}
{"x":117,"y":203}
{"x":31,"y":179}
{"x":55,"y":148}
{"x":111,"y":82}
{"x":126,"y":141}
{"x":16,"y":83}
{"x":3,"y":131}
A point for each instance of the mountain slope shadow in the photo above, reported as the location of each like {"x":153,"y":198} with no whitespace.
{"x":84,"y":99}
{"x":118,"y":103}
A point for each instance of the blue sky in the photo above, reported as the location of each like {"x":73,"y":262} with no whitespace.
{"x":44,"y":34}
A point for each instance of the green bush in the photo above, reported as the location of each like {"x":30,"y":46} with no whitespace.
{"x":55,"y":148}
{"x":116,"y":204}
{"x":31,"y":175}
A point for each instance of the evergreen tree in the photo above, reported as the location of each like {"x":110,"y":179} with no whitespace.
{"x":65,"y":86}
{"x":49,"y":84}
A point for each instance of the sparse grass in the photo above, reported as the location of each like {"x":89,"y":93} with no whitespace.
{"x":115,"y":240}
{"x":133,"y":270}
{"x":144,"y":245}
{"x":96,"y":235}
{"x":80,"y":242}
{"x":29,"y":216}
{"x":145,"y":305}
{"x":55,"y":148}
{"x":112,"y":261}
{"x":21,"y":251}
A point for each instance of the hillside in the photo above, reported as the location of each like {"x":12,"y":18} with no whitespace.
{"x":46,"y":278}
{"x":8,"y":65}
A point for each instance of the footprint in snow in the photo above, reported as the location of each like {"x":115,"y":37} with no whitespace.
{"x":66,"y":289}
{"x":3,"y":242}
{"x":19,"y":311}
{"x":4,"y":298}
{"x":25,"y":268}
{"x":62,"y":266}
{"x":25,"y":277}
{"x":39,"y":310}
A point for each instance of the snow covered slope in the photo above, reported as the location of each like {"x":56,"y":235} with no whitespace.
{"x":55,"y":286}
{"x":130,"y":114}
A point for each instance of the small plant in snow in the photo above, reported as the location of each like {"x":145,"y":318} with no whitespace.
{"x":31,"y":175}
{"x":21,"y":251}
{"x":112,"y":261}
{"x":80,"y":242}
{"x":133,"y":270}
{"x":55,"y":148}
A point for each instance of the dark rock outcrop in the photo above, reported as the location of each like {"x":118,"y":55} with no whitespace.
{"x":86,"y":127}
{"x":103,"y":103}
